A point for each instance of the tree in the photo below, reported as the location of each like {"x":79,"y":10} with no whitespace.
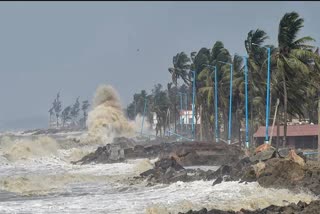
{"x":180,"y":69}
{"x":65,"y":115}
{"x":256,"y":77}
{"x":292,"y":58}
{"x":75,"y":109}
{"x":84,"y":108}
{"x":51,"y":113}
{"x":159,"y":104}
{"x":57,"y":108}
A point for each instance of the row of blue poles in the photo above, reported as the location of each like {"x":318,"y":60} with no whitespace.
{"x":230,"y":102}
{"x":246,"y":101}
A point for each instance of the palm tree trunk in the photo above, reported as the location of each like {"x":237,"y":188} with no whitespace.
{"x":239,"y":127}
{"x":285,"y":110}
{"x":225,"y":125}
{"x":57,"y":116}
{"x":175,"y":110}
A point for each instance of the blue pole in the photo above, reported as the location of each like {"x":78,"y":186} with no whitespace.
{"x":216,"y":102}
{"x":246,"y":100}
{"x":180,"y":112}
{"x":230,"y":107}
{"x":268,"y":99}
{"x":193,"y":103}
{"x":186,"y":115}
{"x":144,"y":112}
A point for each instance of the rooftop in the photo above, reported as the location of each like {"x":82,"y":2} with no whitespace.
{"x":292,"y":131}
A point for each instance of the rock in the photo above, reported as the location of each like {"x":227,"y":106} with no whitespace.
{"x":185,"y":153}
{"x":264,"y":153}
{"x":295,"y":158}
{"x":167,"y":163}
{"x":147,"y":173}
{"x":300,"y":207}
{"x":217,"y":181}
{"x":179,"y":176}
{"x":284,"y":152}
{"x":262,"y":147}
{"x":281,"y":173}
{"x":258,"y":168}
{"x":300,"y":153}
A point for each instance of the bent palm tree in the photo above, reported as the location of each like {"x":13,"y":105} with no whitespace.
{"x":292,"y":60}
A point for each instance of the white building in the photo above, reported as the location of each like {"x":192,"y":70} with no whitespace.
{"x":186,"y":117}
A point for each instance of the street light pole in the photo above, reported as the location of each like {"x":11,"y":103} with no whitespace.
{"x":180,"y":111}
{"x":193,"y":103}
{"x":268,"y":94}
{"x":186,"y":94}
{"x":246,"y":98}
{"x":268,"y":99}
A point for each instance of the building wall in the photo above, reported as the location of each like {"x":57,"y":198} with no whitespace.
{"x":301,"y":142}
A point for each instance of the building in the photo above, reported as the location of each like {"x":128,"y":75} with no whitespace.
{"x":303,"y":136}
{"x":186,"y":117}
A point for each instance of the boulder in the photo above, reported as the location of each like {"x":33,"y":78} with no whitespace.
{"x":262,"y":148}
{"x":258,"y":168}
{"x":264,"y":153}
{"x":300,"y":207}
{"x":295,"y":158}
{"x":283,"y":152}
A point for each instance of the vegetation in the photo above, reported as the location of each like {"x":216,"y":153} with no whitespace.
{"x":295,"y":67}
{"x":69,"y":116}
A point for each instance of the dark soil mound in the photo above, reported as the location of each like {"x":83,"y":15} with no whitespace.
{"x":301,"y":207}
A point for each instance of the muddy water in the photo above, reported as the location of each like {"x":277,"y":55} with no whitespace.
{"x":36,"y":177}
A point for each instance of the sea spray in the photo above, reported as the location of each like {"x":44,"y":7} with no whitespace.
{"x":23,"y":149}
{"x":107,"y":120}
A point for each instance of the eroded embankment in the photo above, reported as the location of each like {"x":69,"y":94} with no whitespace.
{"x":186,"y":153}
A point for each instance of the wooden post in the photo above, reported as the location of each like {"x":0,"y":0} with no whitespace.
{"x":274,"y":120}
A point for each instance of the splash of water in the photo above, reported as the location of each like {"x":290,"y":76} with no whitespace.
{"x":107,"y":120}
{"x":24,"y":149}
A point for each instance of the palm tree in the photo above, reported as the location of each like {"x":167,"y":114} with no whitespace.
{"x":292,"y":58}
{"x":220,"y":53}
{"x":205,"y":83}
{"x":256,"y":82}
{"x":180,"y":69}
{"x":238,"y":94}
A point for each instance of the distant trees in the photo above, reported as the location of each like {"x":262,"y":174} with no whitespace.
{"x":74,"y":112}
{"x":161,"y":101}
{"x":65,"y":115}
{"x":57,"y":108}
{"x":84,"y":108}
{"x":69,"y":116}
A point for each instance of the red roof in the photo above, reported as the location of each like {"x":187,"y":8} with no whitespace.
{"x":292,"y":131}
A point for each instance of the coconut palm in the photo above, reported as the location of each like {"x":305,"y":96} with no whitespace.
{"x":180,"y":69}
{"x":292,"y":57}
{"x":256,"y":77}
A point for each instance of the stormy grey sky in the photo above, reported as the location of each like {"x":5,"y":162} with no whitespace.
{"x":73,"y":47}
